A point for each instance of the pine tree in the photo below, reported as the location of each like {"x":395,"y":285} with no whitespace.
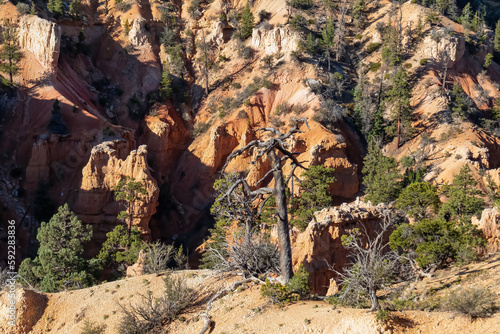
{"x":327,"y":35}
{"x":247,"y":23}
{"x":55,"y":7}
{"x":381,"y":176}
{"x":358,"y":13}
{"x":74,"y":8}
{"x":127,"y":191}
{"x":33,"y":10}
{"x":417,"y":198}
{"x":10,"y":53}
{"x":314,"y":194}
{"x":59,"y":263}
{"x":57,"y":124}
{"x":463,"y":201}
{"x":166,"y":84}
{"x":497,"y":37}
{"x":399,"y":96}
{"x":310,"y":44}
{"x":466,"y":17}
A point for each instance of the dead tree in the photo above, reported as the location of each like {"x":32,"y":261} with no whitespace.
{"x":340,"y":29}
{"x":373,"y":265}
{"x":277,"y":151}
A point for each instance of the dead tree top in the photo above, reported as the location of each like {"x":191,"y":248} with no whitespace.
{"x":264,"y":147}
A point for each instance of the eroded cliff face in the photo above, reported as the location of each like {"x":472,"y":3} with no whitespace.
{"x":279,"y":40}
{"x":109,"y":163}
{"x":319,"y":247}
{"x":42,"y":38}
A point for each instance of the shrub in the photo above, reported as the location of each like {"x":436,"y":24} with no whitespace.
{"x":383,"y":315}
{"x":358,"y":36}
{"x":135,"y":108}
{"x":200,"y":128}
{"x":245,"y":52}
{"x":278,"y":293}
{"x":375,"y":67}
{"x":264,"y":15}
{"x":156,"y":257}
{"x":474,"y":302}
{"x":301,"y":4}
{"x":431,"y":243}
{"x":123,"y":6}
{"x":297,"y":22}
{"x":168,"y":37}
{"x":90,"y":327}
{"x":424,"y":61}
{"x":57,"y":124}
{"x":299,"y":283}
{"x":23,"y":8}
{"x":328,"y":114}
{"x":372,"y":47}
{"x":121,"y":246}
{"x":151,"y":314}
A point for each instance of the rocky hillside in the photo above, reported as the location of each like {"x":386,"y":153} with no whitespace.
{"x":162,"y":92}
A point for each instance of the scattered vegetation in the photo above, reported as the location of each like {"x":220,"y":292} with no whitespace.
{"x":475,"y":302}
{"x":152,"y":313}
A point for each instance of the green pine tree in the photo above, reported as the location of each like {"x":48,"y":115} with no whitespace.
{"x":121,"y":246}
{"x":399,"y":98}
{"x":417,"y":198}
{"x":247,"y":22}
{"x":166,"y":91}
{"x":381,"y":176}
{"x":59,"y":263}
{"x":314,"y":194}
{"x":497,"y":37}
{"x":55,"y":7}
{"x":127,"y":191}
{"x":310,"y":44}
{"x":463,"y":201}
{"x":10,"y":53}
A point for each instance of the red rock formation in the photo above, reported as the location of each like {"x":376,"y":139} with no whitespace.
{"x":490,"y":225}
{"x":320,"y":245}
{"x":109,"y":163}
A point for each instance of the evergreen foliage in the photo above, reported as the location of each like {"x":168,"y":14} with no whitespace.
{"x":59,"y":263}
{"x":166,"y":91}
{"x":463,"y":201}
{"x":121,"y":246}
{"x":127,"y":191}
{"x":57,"y":124}
{"x":417,"y":198}
{"x":10,"y":53}
{"x":314,"y":194}
{"x":247,"y":22}
{"x":431,"y":242}
{"x":301,"y":4}
{"x":497,"y":37}
{"x":398,"y":96}
{"x":460,"y":104}
{"x":55,"y":7}
{"x":381,"y":176}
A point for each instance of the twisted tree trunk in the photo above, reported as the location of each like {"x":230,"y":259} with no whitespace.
{"x":281,"y":211}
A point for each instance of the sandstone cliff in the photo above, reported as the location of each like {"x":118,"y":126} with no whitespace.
{"x":42,"y":38}
{"x":320,"y":246}
{"x":109,"y":163}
